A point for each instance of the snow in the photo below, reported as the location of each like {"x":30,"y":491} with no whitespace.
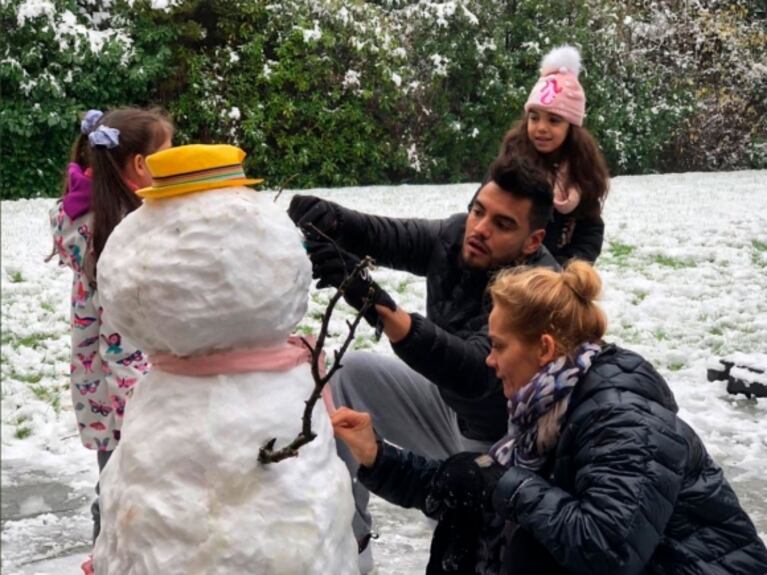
{"x":685,"y":272}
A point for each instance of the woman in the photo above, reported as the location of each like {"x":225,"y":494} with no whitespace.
{"x":597,"y":474}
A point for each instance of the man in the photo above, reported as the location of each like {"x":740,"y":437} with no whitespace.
{"x":439,"y":397}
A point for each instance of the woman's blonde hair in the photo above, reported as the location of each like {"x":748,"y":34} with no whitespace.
{"x":539,"y":301}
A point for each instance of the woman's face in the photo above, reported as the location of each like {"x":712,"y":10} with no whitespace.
{"x":515,"y":362}
{"x":546,"y":131}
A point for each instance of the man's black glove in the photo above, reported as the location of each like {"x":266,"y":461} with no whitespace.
{"x":464,"y":481}
{"x":331,"y":266}
{"x":313,"y":215}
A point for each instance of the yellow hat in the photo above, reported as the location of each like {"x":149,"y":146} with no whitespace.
{"x":195,"y":168}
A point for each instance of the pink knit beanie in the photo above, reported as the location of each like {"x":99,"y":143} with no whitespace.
{"x":558,"y":90}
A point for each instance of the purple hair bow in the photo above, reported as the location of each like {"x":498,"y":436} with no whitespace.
{"x":89,"y":121}
{"x":105,"y":137}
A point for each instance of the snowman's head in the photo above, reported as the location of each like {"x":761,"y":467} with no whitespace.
{"x":206,"y":271}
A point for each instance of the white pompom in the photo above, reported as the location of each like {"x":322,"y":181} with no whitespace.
{"x":565,"y":57}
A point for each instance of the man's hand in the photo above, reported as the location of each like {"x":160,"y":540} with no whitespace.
{"x":464,"y":481}
{"x":331,"y":266}
{"x":355,"y":429}
{"x":313,"y":215}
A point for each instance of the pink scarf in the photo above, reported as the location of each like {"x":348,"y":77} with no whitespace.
{"x":565,"y":199}
{"x":281,"y":358}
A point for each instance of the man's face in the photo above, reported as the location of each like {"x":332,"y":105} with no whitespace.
{"x":498,"y":229}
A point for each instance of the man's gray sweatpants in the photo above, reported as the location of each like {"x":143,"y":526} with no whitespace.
{"x":407,"y":410}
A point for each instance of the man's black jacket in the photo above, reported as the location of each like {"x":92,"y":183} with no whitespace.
{"x":450,"y":344}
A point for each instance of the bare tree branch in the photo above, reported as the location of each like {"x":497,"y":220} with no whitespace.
{"x":282,"y":186}
{"x":267,"y":454}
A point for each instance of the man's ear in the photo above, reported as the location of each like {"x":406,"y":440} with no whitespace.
{"x":533,"y":242}
{"x":548,"y":349}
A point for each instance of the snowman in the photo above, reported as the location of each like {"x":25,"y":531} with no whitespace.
{"x":210,"y":278}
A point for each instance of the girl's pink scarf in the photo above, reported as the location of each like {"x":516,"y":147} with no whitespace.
{"x":565,"y":199}
{"x":280,"y":358}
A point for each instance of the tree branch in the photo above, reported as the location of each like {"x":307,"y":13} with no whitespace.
{"x":267,"y":454}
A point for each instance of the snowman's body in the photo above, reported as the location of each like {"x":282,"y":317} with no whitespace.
{"x":184,"y":493}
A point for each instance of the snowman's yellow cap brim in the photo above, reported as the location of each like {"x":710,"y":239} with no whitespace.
{"x":195,"y":168}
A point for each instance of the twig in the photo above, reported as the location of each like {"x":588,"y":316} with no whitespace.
{"x":282,"y":186}
{"x":267,"y":454}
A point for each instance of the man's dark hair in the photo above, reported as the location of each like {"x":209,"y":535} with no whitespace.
{"x":523,"y":179}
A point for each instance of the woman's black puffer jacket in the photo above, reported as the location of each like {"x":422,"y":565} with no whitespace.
{"x":631,"y":488}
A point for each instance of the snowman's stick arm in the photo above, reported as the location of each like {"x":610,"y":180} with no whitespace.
{"x":267,"y":454}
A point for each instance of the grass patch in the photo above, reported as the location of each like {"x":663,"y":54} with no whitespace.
{"x":16,"y":277}
{"x":675,"y":366}
{"x":22,"y":429}
{"x":756,"y":256}
{"x":362,"y":342}
{"x":304,"y":330}
{"x":48,"y":395}
{"x":402,"y":286}
{"x":30,"y":378}
{"x":48,"y":306}
{"x":317,"y":315}
{"x":620,"y":250}
{"x":674,"y":263}
{"x":639,"y":297}
{"x":660,"y":335}
{"x":716,"y":330}
{"x":34,"y":340}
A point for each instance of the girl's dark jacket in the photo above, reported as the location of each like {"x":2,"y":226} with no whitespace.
{"x":631,"y":488}
{"x":572,"y":237}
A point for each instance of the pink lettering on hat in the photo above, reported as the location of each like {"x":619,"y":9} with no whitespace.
{"x":549,"y":91}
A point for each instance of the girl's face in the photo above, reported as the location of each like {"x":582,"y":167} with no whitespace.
{"x":515,"y":361}
{"x":141,"y":176}
{"x":546,"y":131}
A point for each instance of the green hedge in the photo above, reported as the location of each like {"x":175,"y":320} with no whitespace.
{"x":332,"y":93}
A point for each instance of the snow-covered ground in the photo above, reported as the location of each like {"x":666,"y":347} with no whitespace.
{"x":685,"y":272}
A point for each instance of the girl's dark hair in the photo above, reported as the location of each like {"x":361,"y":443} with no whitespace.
{"x":586,"y":166}
{"x":141,"y":132}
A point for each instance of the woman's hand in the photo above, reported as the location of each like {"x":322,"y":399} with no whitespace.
{"x":356,"y":430}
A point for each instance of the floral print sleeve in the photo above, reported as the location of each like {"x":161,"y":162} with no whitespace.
{"x":104,"y":366}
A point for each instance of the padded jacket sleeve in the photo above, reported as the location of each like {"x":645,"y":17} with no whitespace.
{"x":399,"y":476}
{"x":453,"y":362}
{"x":397,"y":243}
{"x":628,"y":467}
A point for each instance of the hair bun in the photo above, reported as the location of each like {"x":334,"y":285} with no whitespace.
{"x":580,"y":277}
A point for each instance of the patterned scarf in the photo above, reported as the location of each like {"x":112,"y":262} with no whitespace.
{"x":536,"y":411}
